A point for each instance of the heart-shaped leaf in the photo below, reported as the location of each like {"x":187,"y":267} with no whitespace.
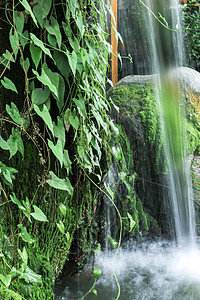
{"x":38,"y":214}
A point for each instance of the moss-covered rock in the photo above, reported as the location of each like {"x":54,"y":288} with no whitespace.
{"x":139,"y":120}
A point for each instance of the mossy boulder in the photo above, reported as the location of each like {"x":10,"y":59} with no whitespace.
{"x":139,"y":121}
{"x":138,"y":117}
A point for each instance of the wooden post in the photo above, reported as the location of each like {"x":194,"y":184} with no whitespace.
{"x":114,"y":61}
{"x":185,"y":2}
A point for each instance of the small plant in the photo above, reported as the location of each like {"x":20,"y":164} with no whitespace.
{"x":191,"y":23}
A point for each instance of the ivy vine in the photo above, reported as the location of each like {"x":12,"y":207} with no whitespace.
{"x":61,"y":50}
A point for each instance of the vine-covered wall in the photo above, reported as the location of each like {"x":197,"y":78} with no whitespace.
{"x":54,"y":126}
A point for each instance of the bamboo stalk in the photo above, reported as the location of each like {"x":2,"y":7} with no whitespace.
{"x":114,"y":61}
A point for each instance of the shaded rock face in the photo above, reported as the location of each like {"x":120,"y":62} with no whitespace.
{"x":139,"y":117}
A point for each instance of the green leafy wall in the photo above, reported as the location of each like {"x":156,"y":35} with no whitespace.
{"x":54,"y":127}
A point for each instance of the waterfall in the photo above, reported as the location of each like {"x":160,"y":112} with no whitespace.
{"x":146,"y":269}
{"x":167,"y":53}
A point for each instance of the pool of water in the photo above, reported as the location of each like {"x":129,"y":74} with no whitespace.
{"x":146,"y":271}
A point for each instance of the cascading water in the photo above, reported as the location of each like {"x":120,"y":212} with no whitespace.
{"x":167,"y":52}
{"x":159,"y":270}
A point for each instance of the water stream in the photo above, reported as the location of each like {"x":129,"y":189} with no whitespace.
{"x":156,"y":270}
{"x":167,"y":52}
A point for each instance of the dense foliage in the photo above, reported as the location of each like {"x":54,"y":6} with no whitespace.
{"x":54,"y":131}
{"x":191,"y":25}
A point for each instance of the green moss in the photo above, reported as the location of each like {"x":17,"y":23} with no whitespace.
{"x":7,"y":294}
{"x":193,"y":138}
{"x":124,"y":191}
{"x":139,"y":102}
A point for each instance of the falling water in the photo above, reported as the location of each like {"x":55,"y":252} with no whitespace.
{"x":160,"y":270}
{"x":167,"y":52}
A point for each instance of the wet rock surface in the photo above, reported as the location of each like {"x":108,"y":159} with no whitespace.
{"x":138,"y":115}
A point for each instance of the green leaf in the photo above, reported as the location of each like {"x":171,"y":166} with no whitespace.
{"x":67,"y":236}
{"x":8,"y":56}
{"x":49,"y":78}
{"x":59,"y":130}
{"x":79,"y":66}
{"x":27,"y":206}
{"x":96,"y":272}
{"x":40,"y":44}
{"x":14,"y":113}
{"x":80,"y":103}
{"x":54,"y":29}
{"x":67,"y":161}
{"x":66,"y":119}
{"x":97,"y":249}
{"x":24,"y":38}
{"x":95,"y":144}
{"x":74,"y":121}
{"x":25,"y":235}
{"x":67,"y":29}
{"x":13,"y":147}
{"x":84,"y":56}
{"x":38,"y":214}
{"x":24,"y":256}
{"x":41,"y":9}
{"x":14,"y":272}
{"x":7,"y":174}
{"x":8,"y":84}
{"x":15,"y":143}
{"x":29,"y":275}
{"x":3,"y":144}
{"x":7,"y":247}
{"x":61,"y":227}
{"x":39,"y":96}
{"x":72,"y":6}
{"x":25,"y":64}
{"x":52,"y":40}
{"x":57,"y":150}
{"x":72,"y":58}
{"x":45,"y":115}
{"x":61,"y":184}
{"x":109,"y":190}
{"x":79,"y":23}
{"x":6,"y":279}
{"x":132,"y":222}
{"x":74,"y":43}
{"x":84,"y":157}
{"x":94,"y":292}
{"x":28,"y":8}
{"x":63,"y":209}
{"x":61,"y":93}
{"x":62,"y":63}
{"x":113,"y":242}
{"x":99,"y":119}
{"x":16,"y":201}
{"x":19,"y":20}
{"x":14,"y":42}
{"x":36,"y":54}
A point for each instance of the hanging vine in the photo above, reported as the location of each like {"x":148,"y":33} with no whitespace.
{"x":54,"y":125}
